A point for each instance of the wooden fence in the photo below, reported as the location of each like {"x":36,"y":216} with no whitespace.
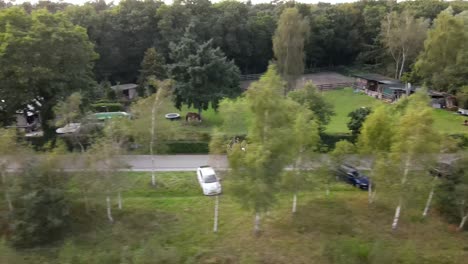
{"x":334,"y":86}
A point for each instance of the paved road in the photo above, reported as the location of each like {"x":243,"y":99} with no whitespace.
{"x":191,"y":162}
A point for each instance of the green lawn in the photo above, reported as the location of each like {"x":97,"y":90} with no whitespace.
{"x":173,"y":224}
{"x":346,"y":100}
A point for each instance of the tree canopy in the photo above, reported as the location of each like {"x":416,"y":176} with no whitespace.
{"x":203,"y":75}
{"x":43,"y":58}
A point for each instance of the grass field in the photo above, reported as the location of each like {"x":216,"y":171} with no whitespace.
{"x":346,"y":100}
{"x":173,"y":224}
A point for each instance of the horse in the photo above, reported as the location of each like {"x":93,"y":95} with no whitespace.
{"x":192,"y":116}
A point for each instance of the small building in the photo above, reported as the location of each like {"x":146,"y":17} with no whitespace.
{"x":442,"y":100}
{"x":381,"y":87}
{"x":126,"y":91}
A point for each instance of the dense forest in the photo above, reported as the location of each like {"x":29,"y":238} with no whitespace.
{"x":340,"y":34}
{"x":50,"y":50}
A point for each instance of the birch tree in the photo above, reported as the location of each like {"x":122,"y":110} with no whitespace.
{"x":376,"y":140}
{"x":414,"y":143}
{"x":148,"y":111}
{"x":256,"y":170}
{"x":288,"y":45}
{"x":103,"y":163}
{"x":461,"y":190}
{"x":11,"y":155}
{"x":403,"y":36}
{"x":306,"y":135}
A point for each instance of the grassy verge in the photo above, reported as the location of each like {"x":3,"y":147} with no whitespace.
{"x":173,"y":224}
{"x":346,"y":100}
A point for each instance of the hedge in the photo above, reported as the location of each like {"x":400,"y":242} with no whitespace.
{"x":107,"y":107}
{"x":187,"y":147}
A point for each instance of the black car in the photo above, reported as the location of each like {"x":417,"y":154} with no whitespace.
{"x":352,"y":176}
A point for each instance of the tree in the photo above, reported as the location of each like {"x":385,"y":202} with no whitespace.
{"x":414,"y":143}
{"x":256,"y":170}
{"x":376,"y":139}
{"x":162,"y":92}
{"x":69,"y":111}
{"x":41,"y":212}
{"x":202,"y":74}
{"x":152,"y":67}
{"x":288,"y":45}
{"x":43,"y":57}
{"x":314,"y":101}
{"x":9,"y":148}
{"x":462,"y":97}
{"x":443,"y":65}
{"x":403,"y":36}
{"x":236,"y":116}
{"x":357,"y":118}
{"x":306,"y":134}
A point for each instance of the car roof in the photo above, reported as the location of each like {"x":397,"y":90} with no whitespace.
{"x":206,"y":170}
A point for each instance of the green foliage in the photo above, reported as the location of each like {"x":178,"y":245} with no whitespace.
{"x":403,"y":36}
{"x":202,"y":74}
{"x":443,"y":65}
{"x":452,"y":193}
{"x":377,"y":132}
{"x":288,"y":44}
{"x":258,"y":167}
{"x":310,"y":97}
{"x":357,"y":118}
{"x":68,"y":111}
{"x":342,"y":148}
{"x":41,"y":210}
{"x":152,"y":67}
{"x":462,"y":97}
{"x":349,"y":250}
{"x":236,"y":116}
{"x":59,"y":56}
{"x":194,"y":147}
{"x":107,"y":107}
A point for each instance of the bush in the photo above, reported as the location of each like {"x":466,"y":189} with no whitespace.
{"x":107,"y":107}
{"x":328,"y":141}
{"x":347,"y":251}
{"x":41,"y":212}
{"x":188,"y":147}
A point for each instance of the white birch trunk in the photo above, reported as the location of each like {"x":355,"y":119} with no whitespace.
{"x":216,"y":210}
{"x":257,"y":223}
{"x":397,"y":216}
{"x":294,"y":206}
{"x":402,"y":65}
{"x":119,"y":196}
{"x":428,"y":202}
{"x":153,"y":127}
{"x":369,"y":192}
{"x":462,"y":223}
{"x":109,"y":210}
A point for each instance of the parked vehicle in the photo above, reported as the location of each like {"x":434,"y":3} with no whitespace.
{"x":352,"y":176}
{"x":208,"y":180}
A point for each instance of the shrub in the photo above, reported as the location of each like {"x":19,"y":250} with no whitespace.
{"x":107,"y":107}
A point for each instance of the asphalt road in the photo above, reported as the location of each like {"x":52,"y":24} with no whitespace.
{"x":191,"y":162}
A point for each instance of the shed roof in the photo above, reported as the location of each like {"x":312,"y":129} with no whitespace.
{"x":378,"y":78}
{"x":123,"y":87}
